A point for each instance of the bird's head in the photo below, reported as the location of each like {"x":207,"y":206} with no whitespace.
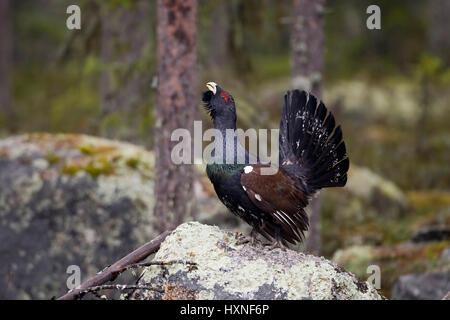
{"x":220,"y":105}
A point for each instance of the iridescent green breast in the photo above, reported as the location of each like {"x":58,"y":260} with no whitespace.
{"x":222,"y":172}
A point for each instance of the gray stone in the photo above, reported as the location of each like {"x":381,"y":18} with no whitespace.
{"x":69,"y":200}
{"x":432,"y":233}
{"x":228,"y":270}
{"x":432,"y":286}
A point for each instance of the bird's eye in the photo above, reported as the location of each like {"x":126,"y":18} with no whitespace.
{"x":224,"y":96}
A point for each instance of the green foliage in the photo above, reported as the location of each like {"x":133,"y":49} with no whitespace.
{"x":271,"y":67}
{"x":432,"y":68}
{"x":352,"y":48}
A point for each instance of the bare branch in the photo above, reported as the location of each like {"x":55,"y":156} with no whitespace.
{"x":110,"y":273}
{"x":160,"y":263}
{"x":94,"y":290}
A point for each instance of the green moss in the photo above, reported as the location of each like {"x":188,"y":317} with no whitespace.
{"x":87,"y":150}
{"x":91,"y":150}
{"x":70,"y":169}
{"x":94,"y":168}
{"x":132,"y":162}
{"x":52,"y":158}
{"x":434,"y":250}
{"x":99,"y":167}
{"x":429,"y":199}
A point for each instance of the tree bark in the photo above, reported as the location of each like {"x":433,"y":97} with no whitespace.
{"x":176,"y":106}
{"x":307,"y":63}
{"x":5,"y":57}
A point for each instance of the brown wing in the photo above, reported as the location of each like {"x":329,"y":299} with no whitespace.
{"x":279,"y":196}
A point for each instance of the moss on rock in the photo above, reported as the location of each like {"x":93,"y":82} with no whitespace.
{"x":65,"y":200}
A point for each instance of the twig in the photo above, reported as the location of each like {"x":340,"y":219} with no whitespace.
{"x":120,"y":287}
{"x":111,"y":272}
{"x":160,"y":263}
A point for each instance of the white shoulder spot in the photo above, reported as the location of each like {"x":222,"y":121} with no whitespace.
{"x":243,"y":187}
{"x":258,"y":197}
{"x":248,"y":169}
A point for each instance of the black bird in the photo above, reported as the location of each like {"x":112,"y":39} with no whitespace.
{"x":312,"y":156}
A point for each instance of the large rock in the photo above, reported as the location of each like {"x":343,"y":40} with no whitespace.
{"x":226,"y":270}
{"x":432,"y":286}
{"x":432,"y":233}
{"x":69,"y":200}
{"x":369,"y":210}
{"x":395,"y":262}
{"x":375,"y":189}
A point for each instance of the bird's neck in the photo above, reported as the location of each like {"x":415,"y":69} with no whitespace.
{"x":228,"y":149}
{"x":223,"y":124}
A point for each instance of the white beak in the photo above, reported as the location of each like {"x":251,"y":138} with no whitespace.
{"x":212,"y":87}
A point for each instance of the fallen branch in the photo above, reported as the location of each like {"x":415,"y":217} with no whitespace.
{"x":110,"y":273}
{"x":94,"y":290}
{"x":160,"y":263}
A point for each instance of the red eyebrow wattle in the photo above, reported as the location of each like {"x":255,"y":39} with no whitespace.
{"x":224,"y":96}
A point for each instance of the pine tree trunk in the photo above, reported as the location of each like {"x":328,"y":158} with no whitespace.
{"x":175,"y":107}
{"x":307,"y":63}
{"x":5,"y":57}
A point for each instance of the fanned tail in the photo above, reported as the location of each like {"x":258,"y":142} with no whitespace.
{"x":311,"y":146}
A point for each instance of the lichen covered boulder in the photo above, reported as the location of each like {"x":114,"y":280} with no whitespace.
{"x":227,"y":270}
{"x":69,"y":200}
{"x":367,"y":185}
{"x":369,"y":210}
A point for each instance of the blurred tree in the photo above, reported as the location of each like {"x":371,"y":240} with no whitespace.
{"x":431,"y":74}
{"x":431,"y":69}
{"x":124,"y":43}
{"x":439,"y":31}
{"x":307,"y":45}
{"x":307,"y":60}
{"x":219,"y":56}
{"x":236,"y":40}
{"x":5,"y":57}
{"x":176,"y":106}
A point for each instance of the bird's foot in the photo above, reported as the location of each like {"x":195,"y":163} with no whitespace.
{"x":277,"y":244}
{"x":252,"y":239}
{"x":241,"y":239}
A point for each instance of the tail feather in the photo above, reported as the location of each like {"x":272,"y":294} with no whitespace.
{"x":310,"y":143}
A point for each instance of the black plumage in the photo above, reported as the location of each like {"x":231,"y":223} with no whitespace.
{"x":312,"y":156}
